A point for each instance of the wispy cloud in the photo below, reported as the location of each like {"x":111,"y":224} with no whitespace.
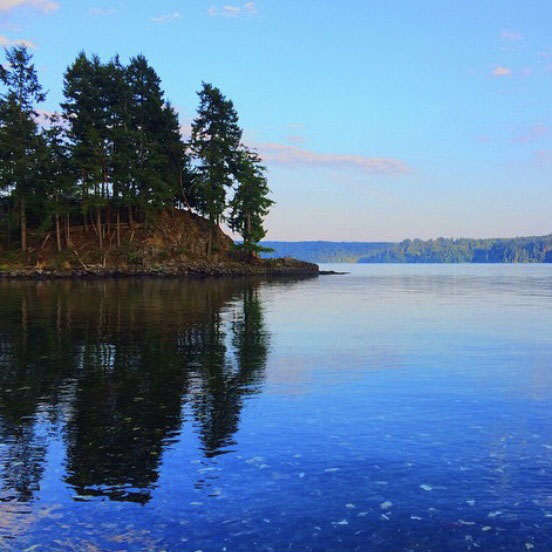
{"x":165,"y":18}
{"x":5,"y":41}
{"x":501,"y":71}
{"x":532,"y":134}
{"x":294,"y":156}
{"x":11,"y":27}
{"x":484,"y":139}
{"x":510,"y":36}
{"x":99,"y":12}
{"x":543,"y":158}
{"x":231,"y":10}
{"x":295,"y":139}
{"x":41,"y":5}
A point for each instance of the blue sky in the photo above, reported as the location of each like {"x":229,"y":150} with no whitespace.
{"x":377,"y":120}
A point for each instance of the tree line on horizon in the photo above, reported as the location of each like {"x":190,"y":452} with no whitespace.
{"x":532,"y":249}
{"x":115,"y":155}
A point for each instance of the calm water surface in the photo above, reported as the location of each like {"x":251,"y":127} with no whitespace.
{"x":396,"y":408}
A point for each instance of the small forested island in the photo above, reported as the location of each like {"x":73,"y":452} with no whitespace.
{"x":108,"y":185}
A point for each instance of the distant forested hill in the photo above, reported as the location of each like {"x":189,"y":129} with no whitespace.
{"x":324,"y":251}
{"x":537,"y":249}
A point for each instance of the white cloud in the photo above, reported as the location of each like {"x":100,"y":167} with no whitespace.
{"x":543,"y":158}
{"x":500,"y":71}
{"x":5,"y":41}
{"x":511,"y":36}
{"x":283,"y":154}
{"x":165,"y":18}
{"x":41,"y":5}
{"x":533,"y":134}
{"x":11,"y":27}
{"x":98,"y":12}
{"x":231,"y":10}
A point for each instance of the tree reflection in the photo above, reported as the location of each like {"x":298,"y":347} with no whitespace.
{"x":110,"y":366}
{"x":228,"y":373}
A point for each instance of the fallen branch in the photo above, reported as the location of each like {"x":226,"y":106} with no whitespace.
{"x":45,"y":240}
{"x":80,"y":261}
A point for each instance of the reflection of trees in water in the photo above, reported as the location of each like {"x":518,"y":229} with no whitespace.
{"x":113,"y":363}
{"x":34,"y":361}
{"x":228,"y":376}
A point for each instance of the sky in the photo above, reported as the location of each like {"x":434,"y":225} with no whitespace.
{"x":377,"y":120}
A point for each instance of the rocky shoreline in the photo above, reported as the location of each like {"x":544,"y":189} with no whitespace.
{"x":273,"y":267}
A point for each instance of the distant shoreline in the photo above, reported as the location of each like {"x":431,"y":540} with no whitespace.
{"x":532,"y":249}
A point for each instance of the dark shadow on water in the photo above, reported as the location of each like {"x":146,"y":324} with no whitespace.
{"x":113,"y":365}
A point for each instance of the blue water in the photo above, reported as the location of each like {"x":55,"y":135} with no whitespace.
{"x":395,"y":408}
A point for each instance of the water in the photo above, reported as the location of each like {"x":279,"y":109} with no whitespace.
{"x":396,"y":408}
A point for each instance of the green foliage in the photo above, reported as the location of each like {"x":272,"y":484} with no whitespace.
{"x":20,"y":141}
{"x":252,"y":247}
{"x":215,"y":144}
{"x":250,"y":203}
{"x":116,"y":152}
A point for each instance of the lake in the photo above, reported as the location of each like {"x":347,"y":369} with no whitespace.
{"x":395,"y":408}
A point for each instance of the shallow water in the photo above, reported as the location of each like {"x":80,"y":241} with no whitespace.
{"x":395,"y":408}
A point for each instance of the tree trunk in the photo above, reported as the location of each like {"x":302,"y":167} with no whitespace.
{"x":247,"y":237}
{"x":99,"y":227}
{"x":8,"y":234}
{"x":210,"y":237}
{"x":108,"y":222}
{"x":85,"y":220}
{"x":58,"y":235}
{"x":130,"y":221}
{"x":23,"y":214}
{"x":68,"y":230}
{"x":118,"y":227}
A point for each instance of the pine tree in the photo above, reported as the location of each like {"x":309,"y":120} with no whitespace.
{"x":119,"y":98}
{"x":19,"y":139}
{"x":57,"y":178}
{"x":149,"y":118}
{"x":215,"y":143}
{"x":176,"y":165}
{"x":250,"y":203}
{"x":118,"y":145}
{"x":87,"y":114}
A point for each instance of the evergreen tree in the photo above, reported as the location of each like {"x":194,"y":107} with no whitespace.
{"x":57,"y":178}
{"x":19,"y":139}
{"x":152,"y":136}
{"x":176,"y":164}
{"x":118,"y":145}
{"x":215,"y":143}
{"x":86,"y":111}
{"x":250,"y":203}
{"x":119,"y":96}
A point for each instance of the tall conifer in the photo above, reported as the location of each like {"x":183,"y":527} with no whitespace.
{"x":19,"y":139}
{"x":250,"y":203}
{"x":215,"y":143}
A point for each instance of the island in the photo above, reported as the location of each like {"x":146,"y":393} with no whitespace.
{"x":109,"y":186}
